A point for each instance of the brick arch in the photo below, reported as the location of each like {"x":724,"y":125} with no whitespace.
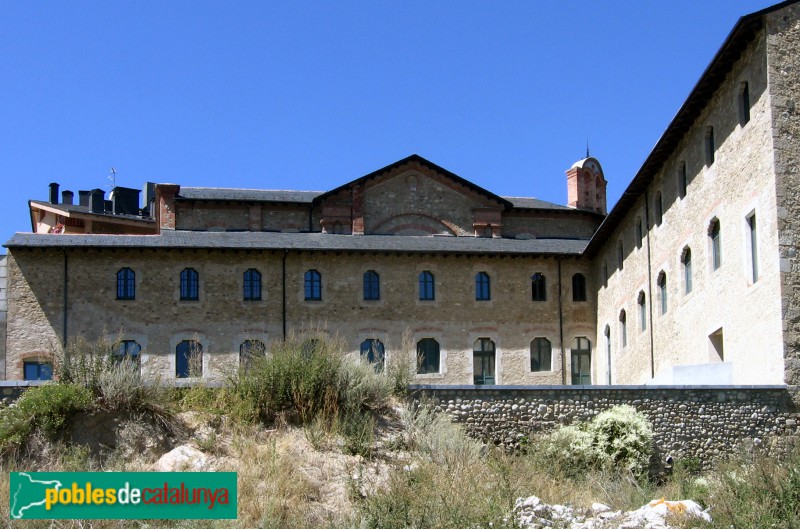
{"x":415,"y":224}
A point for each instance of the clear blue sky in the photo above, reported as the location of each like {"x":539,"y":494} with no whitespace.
{"x":309,"y":95}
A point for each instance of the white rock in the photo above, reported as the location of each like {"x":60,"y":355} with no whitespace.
{"x":184,"y":457}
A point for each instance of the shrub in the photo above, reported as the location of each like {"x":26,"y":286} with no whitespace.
{"x":299,"y":384}
{"x":83,"y":361}
{"x":121,"y":387}
{"x":616,"y":439}
{"x":44,"y":407}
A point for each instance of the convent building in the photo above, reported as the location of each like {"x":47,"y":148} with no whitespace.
{"x":692,"y":278}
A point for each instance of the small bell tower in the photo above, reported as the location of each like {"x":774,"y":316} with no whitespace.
{"x":586,"y":186}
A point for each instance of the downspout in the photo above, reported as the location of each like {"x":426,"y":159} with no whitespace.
{"x":561,"y":330}
{"x":283,"y":282}
{"x":649,"y":282}
{"x":66,"y":270}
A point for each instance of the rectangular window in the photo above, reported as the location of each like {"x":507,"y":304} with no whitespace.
{"x":710,"y":146}
{"x":642,"y":312}
{"x":37,"y":371}
{"x":659,"y":207}
{"x":744,"y":103}
{"x":682,"y":183}
{"x":751,"y":224}
{"x":620,"y":255}
{"x":639,"y":233}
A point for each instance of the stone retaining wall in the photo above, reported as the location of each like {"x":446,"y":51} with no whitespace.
{"x":702,"y":422}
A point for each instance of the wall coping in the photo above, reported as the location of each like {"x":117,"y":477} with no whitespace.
{"x":509,"y":388}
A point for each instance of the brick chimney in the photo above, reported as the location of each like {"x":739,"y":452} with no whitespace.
{"x":165,"y":206}
{"x":586,"y":186}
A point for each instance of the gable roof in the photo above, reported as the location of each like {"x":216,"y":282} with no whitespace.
{"x":419,"y":159}
{"x":745,"y":30}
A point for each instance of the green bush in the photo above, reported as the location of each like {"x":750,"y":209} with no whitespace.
{"x":618,"y":439}
{"x":299,"y":383}
{"x":46,"y":408}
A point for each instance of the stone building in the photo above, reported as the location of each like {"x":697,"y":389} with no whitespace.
{"x":691,"y":277}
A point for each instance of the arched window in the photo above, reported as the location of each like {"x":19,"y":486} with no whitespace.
{"x":372,"y":285}
{"x":642,"y":301}
{"x":662,"y":291}
{"x":427,"y":356}
{"x":714,"y":237}
{"x":581,"y":361}
{"x":126,"y":350}
{"x":249,"y":350}
{"x":538,"y":287}
{"x":427,"y":289}
{"x":190,"y":283}
{"x":372,"y":350}
{"x":252,"y":285}
{"x":686,"y":261}
{"x":578,"y":287}
{"x":541,"y":354}
{"x":126,"y":284}
{"x":313,"y":285}
{"x":623,"y":328}
{"x":189,"y":359}
{"x":483,"y":362}
{"x":482,"y":287}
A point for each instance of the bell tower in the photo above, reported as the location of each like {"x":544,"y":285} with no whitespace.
{"x":586,"y":186}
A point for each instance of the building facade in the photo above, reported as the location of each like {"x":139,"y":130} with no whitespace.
{"x":691,"y":278}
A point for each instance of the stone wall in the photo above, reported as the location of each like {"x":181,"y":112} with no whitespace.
{"x":726,"y":302}
{"x":157,"y":319}
{"x":688,"y":421}
{"x":3,"y":314}
{"x":783,"y":45}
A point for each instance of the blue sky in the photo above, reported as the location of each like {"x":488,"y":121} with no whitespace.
{"x":309,"y":95}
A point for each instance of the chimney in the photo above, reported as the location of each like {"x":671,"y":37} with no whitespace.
{"x":83,"y":198}
{"x":54,"y":193}
{"x":149,"y":197}
{"x":97,"y":201}
{"x":126,"y":201}
{"x":165,"y":205}
{"x":67,"y":197}
{"x":586,"y":186}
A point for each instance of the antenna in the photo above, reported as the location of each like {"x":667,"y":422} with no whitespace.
{"x":113,"y":177}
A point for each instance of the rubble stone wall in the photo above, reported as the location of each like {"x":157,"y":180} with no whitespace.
{"x":700,"y":422}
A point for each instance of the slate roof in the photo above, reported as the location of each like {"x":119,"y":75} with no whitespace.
{"x":535,"y":203}
{"x":246,"y":195}
{"x":85,"y":210}
{"x":304,"y":241}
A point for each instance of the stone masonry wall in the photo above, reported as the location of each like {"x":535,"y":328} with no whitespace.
{"x":3,"y":314}
{"x":783,"y":50}
{"x":725,"y":302}
{"x":705,"y":423}
{"x":157,"y":319}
